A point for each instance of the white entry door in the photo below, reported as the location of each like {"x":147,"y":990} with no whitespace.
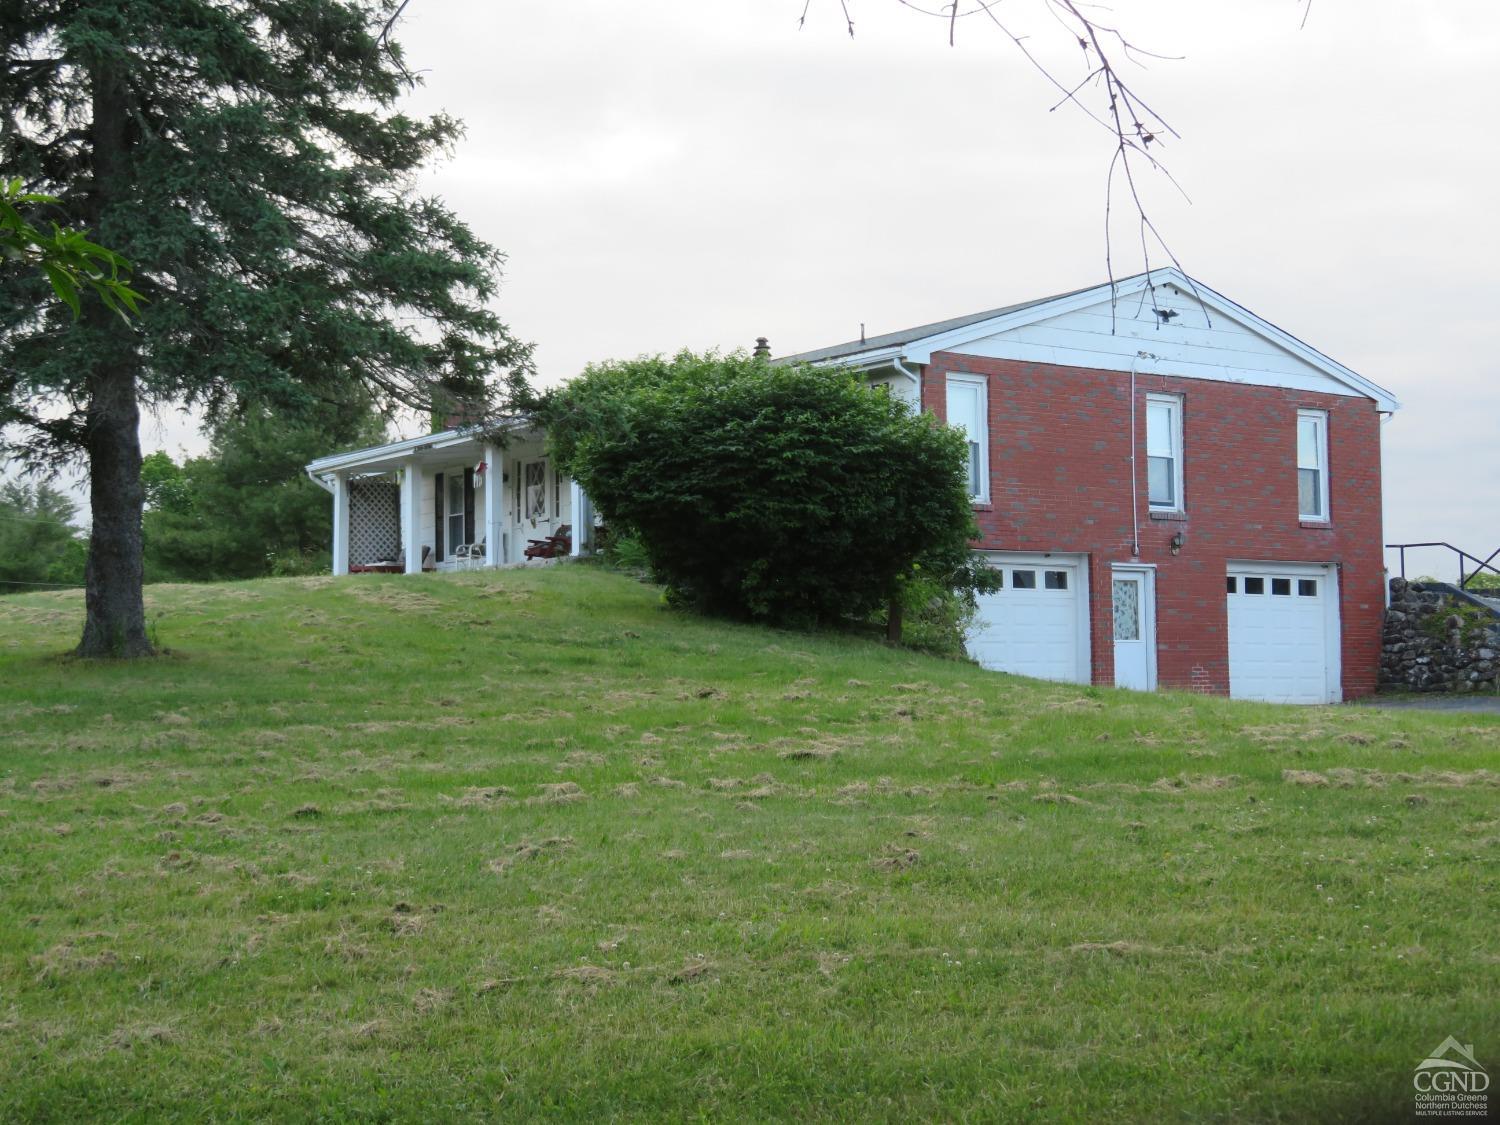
{"x":1134,"y":594}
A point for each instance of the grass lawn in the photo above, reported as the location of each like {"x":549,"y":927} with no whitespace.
{"x":527,"y":844}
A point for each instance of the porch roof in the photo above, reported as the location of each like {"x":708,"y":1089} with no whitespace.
{"x":430,"y":448}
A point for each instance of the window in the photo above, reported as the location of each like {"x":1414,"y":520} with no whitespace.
{"x":534,"y":498}
{"x":1312,"y":464}
{"x":1233,"y":584}
{"x":1023,"y":580}
{"x":1127,"y":596}
{"x":455,"y":510}
{"x":968,"y":411}
{"x":1307,"y":587}
{"x":1055,"y":579}
{"x":1164,"y":452}
{"x":1255,"y":585}
{"x":1281,"y":587}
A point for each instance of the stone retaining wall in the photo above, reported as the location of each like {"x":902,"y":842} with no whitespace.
{"x":1438,"y":638}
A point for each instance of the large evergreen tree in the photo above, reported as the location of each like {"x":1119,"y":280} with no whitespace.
{"x":248,"y":158}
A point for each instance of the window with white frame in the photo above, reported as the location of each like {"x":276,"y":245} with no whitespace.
{"x":1312,"y":464}
{"x":455,"y":510}
{"x":968,"y":411}
{"x":1164,"y":452}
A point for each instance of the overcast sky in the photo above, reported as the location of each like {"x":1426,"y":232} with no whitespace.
{"x":681,"y":174}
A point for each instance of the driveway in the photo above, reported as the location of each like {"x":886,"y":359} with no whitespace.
{"x":1481,"y":704}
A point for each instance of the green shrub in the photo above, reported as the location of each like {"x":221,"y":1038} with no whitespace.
{"x":792,"y":495}
{"x":626,"y":552}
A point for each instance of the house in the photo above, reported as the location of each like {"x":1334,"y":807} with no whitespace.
{"x":433,"y":502}
{"x":1175,"y":491}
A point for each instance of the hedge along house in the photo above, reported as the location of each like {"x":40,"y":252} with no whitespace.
{"x":1175,"y":491}
{"x":449,"y":499}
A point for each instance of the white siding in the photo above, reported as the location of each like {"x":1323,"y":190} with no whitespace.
{"x":1227,"y":351}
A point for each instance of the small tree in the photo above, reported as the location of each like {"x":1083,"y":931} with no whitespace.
{"x":792,"y":495}
{"x":39,"y":546}
{"x":247,"y":509}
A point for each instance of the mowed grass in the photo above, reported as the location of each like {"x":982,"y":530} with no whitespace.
{"x":528,"y":844}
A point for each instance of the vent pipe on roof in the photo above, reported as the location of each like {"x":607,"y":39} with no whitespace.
{"x":762,"y":348}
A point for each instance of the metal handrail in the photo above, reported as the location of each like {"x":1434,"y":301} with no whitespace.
{"x":1463,"y":579}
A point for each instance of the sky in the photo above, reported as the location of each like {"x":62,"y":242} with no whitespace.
{"x":676,"y":173}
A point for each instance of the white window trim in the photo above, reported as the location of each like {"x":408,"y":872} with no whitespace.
{"x":1321,"y":418}
{"x":450,"y":543}
{"x":983,"y":437}
{"x":1174,"y":406}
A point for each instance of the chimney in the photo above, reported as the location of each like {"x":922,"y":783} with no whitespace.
{"x":762,"y":348}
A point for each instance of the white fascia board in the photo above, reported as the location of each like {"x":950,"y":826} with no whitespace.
{"x":862,"y":361}
{"x":376,"y":454}
{"x":921,"y":351}
{"x":1384,"y":400}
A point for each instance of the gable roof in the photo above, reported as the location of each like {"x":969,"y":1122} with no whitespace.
{"x":917,"y":345}
{"x":908,"y":335}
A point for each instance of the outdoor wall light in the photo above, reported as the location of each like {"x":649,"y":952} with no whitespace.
{"x":1176,"y":542}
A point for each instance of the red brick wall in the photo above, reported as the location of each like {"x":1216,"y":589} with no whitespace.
{"x":1060,"y":481}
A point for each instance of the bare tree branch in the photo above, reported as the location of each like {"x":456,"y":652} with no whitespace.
{"x":385,"y":41}
{"x":1103,"y":95}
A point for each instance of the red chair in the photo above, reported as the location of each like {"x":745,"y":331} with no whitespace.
{"x":559,"y":542}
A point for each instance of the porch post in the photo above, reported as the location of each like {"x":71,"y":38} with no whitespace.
{"x":583,"y":521}
{"x":494,"y":506}
{"x":411,"y":515}
{"x":340,"y":523}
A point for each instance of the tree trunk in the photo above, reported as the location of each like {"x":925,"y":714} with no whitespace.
{"x":893,"y":615}
{"x":115,"y":623}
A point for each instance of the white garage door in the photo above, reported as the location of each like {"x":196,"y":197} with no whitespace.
{"x":1036,"y":624}
{"x":1283,"y":633}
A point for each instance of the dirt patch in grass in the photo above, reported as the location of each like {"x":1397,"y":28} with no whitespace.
{"x":428,"y":1000}
{"x":558,"y":793}
{"x":694,"y":968}
{"x":592,"y":975}
{"x":143,"y":1035}
{"x":1347,"y":778}
{"x":529,"y":849}
{"x":482,"y":796}
{"x":1183,"y":783}
{"x":579,"y":759}
{"x":897,"y":859}
{"x":1114,"y":948}
{"x":1059,"y":799}
{"x":820,"y":751}
{"x":64,"y":959}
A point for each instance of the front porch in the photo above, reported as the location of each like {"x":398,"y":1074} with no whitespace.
{"x":451,"y":501}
